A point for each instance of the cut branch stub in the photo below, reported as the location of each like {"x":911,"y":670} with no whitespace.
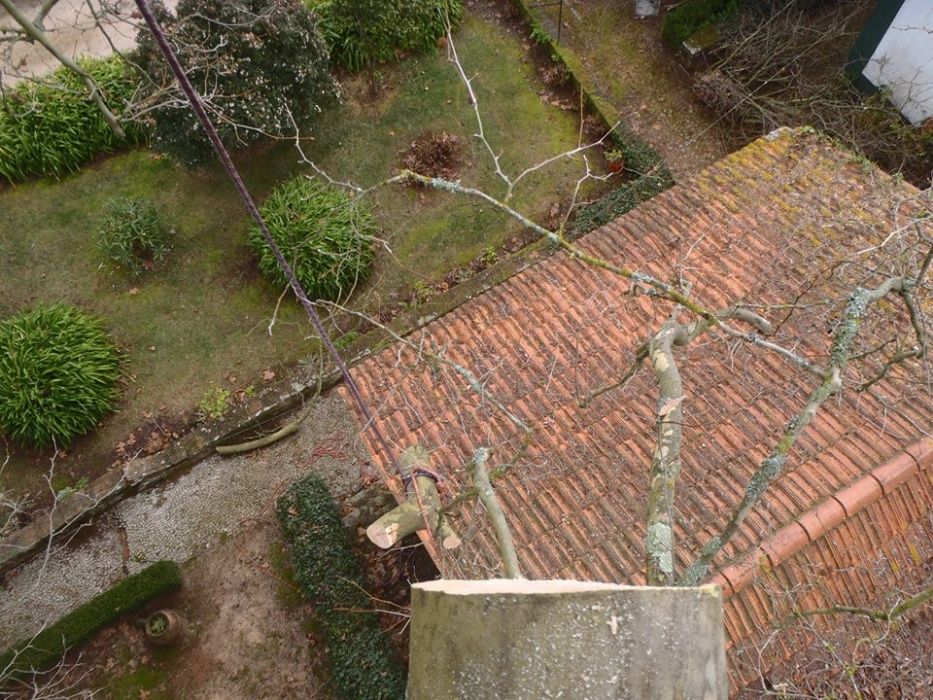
{"x":420,"y":511}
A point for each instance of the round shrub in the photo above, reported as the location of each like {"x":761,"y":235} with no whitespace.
{"x":325,"y":236}
{"x":58,"y":374}
{"x":132,"y":234}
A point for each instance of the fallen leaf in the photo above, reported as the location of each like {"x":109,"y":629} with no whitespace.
{"x":268,"y":375}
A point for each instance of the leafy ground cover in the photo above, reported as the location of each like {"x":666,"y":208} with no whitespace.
{"x":200,"y":319}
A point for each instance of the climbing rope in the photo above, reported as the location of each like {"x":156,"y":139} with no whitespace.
{"x":197,"y":105}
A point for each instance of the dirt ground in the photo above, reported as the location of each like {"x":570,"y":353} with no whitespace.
{"x":247,"y":634}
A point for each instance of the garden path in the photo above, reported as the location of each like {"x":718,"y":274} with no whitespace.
{"x":629,"y":66}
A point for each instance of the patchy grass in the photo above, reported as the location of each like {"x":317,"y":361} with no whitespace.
{"x":432,"y":232}
{"x":201,"y":317}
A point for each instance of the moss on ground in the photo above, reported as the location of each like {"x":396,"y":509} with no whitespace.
{"x":142,"y":683}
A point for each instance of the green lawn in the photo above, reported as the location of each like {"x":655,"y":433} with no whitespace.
{"x":202,"y":316}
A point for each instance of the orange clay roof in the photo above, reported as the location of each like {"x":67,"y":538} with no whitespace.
{"x":788,"y":221}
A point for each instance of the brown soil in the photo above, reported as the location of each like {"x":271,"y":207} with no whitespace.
{"x":246,"y":636}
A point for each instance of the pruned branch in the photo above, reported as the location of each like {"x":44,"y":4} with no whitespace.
{"x":891,"y":615}
{"x":858,"y":305}
{"x":487,"y":497}
{"x":420,"y":511}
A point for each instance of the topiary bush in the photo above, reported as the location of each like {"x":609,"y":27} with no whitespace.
{"x":363,"y":664}
{"x":326,"y":236}
{"x":692,"y":15}
{"x":53,"y":127}
{"x":79,"y":626}
{"x":367,"y":32}
{"x":258,"y":64}
{"x":132,"y":234}
{"x":58,"y":374}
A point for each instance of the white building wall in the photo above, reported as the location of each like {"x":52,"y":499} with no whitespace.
{"x":903,"y":60}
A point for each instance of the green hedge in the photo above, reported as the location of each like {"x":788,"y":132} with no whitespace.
{"x":692,"y":15}
{"x":362,"y":33}
{"x":77,"y":627}
{"x":619,"y":201}
{"x":363,"y":664}
{"x":53,"y":127}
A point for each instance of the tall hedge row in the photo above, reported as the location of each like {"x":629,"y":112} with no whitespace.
{"x":77,"y":627}
{"x":53,"y":127}
{"x":363,"y":664}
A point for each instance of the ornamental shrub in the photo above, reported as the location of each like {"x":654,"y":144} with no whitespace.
{"x":58,"y":374}
{"x":257,"y":64}
{"x":53,"y":127}
{"x":363,"y":664}
{"x":326,"y":237}
{"x":366,"y":32}
{"x":132,"y":234}
{"x":692,"y":15}
{"x":79,"y":626}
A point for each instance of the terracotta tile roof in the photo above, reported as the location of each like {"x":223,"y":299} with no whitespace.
{"x":775,"y":223}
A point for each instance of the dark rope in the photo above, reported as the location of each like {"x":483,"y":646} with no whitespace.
{"x":198,"y":106}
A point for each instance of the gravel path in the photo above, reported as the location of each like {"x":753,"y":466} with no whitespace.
{"x":216,"y":498}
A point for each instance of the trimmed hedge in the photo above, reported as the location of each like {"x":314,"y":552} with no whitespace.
{"x":53,"y":127}
{"x":362,"y":33}
{"x":619,"y":201}
{"x":363,"y":664}
{"x":77,"y":627}
{"x":59,"y":374}
{"x":691,"y":16}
